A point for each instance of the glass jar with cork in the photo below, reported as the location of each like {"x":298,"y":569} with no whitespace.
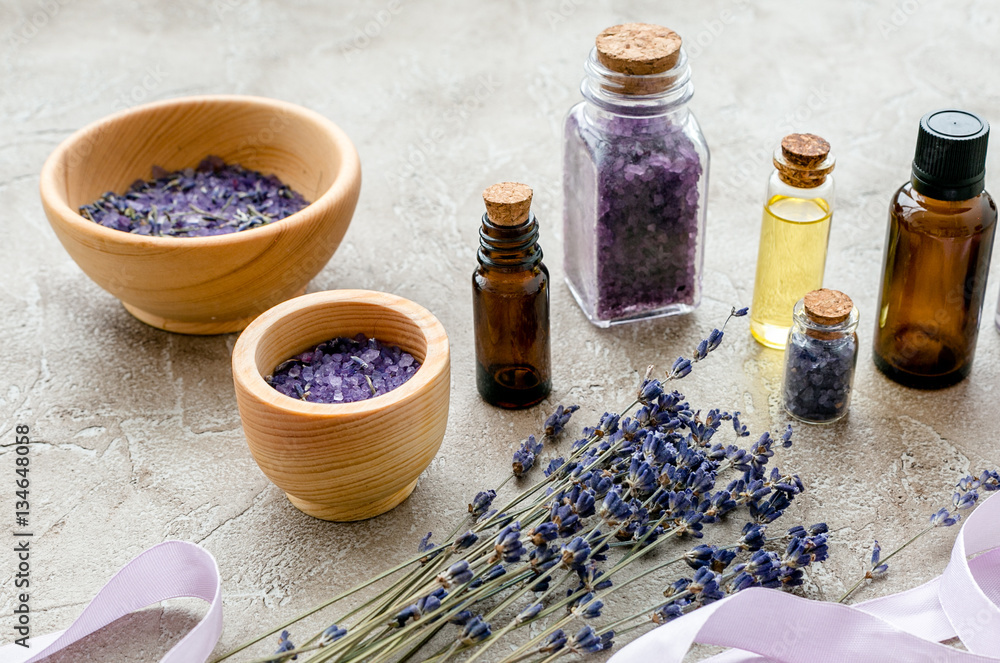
{"x":820,"y":357}
{"x":795,"y":232}
{"x":635,"y":180}
{"x":510,"y":297}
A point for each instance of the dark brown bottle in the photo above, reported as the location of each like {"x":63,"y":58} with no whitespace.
{"x":941,"y":229}
{"x":510,"y":299}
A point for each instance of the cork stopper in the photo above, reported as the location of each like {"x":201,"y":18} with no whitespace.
{"x":827,"y":307}
{"x":804,"y":160}
{"x":508,"y":203}
{"x":638,"y":49}
{"x":806,"y":150}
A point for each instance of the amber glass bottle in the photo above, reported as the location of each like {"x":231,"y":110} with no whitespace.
{"x":510,"y":297}
{"x":941,"y":228}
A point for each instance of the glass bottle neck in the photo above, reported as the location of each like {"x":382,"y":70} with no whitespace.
{"x":637,"y":95}
{"x":509,"y":246}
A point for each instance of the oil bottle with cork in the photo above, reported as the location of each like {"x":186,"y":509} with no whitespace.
{"x":795,"y":232}
{"x":511,"y":302}
{"x":941,"y":229}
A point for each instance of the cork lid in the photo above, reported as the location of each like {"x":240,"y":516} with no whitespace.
{"x":803,"y":160}
{"x":827,"y":307}
{"x":806,"y":150}
{"x":508,"y":203}
{"x":638,"y":49}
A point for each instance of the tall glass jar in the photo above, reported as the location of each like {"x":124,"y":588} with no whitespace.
{"x":794,"y":233}
{"x":635,"y":180}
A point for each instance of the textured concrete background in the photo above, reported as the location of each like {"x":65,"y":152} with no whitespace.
{"x":137,"y":434}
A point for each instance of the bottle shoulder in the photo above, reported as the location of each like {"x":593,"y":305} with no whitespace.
{"x":942,"y":217}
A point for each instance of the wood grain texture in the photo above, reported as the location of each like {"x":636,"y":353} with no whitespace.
{"x":204,"y":285}
{"x":346,"y":461}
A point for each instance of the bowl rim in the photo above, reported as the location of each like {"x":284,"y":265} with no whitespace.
{"x":339,"y":189}
{"x":247,"y":377}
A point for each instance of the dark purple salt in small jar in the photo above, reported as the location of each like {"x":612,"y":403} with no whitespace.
{"x":344,"y":370}
{"x":215,"y":198}
{"x":634,"y":181}
{"x":820,"y":357}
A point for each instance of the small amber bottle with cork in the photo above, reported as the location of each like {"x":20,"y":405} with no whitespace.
{"x":941,"y":228}
{"x":795,"y":232}
{"x":510,"y":297}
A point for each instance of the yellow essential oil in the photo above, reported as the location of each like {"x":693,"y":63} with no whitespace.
{"x":790,"y":263}
{"x":798,"y":207}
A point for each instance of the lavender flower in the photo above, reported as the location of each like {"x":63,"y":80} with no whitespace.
{"x":586,"y":607}
{"x":554,"y":642}
{"x":425,"y":543}
{"x":476,"y":630}
{"x":945,"y":518}
{"x":481,"y":502}
{"x":525,"y":455}
{"x":586,"y":640}
{"x":458,"y":573}
{"x":331,"y":635}
{"x":680,"y":369}
{"x":554,"y":466}
{"x":508,"y":544}
{"x":464,"y":541}
{"x":557,"y":421}
{"x":284,"y":645}
{"x":529,"y":613}
{"x":877,"y":570}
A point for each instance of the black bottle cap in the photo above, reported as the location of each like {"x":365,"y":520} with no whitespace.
{"x":950,"y":161}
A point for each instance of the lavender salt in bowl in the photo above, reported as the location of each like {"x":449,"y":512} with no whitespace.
{"x":204,"y":284}
{"x":343,"y":460}
{"x":344,"y":370}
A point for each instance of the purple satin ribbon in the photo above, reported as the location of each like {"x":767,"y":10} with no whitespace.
{"x":766,"y":625}
{"x":170,"y":570}
{"x":758,"y":624}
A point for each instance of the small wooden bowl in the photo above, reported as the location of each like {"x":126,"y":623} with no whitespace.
{"x":204,"y":285}
{"x":344,"y":461}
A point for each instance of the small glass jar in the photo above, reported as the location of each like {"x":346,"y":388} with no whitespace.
{"x":635,"y":183}
{"x":820,"y":357}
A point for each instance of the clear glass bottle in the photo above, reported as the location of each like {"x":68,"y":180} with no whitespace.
{"x":820,"y":357}
{"x":794,"y":234}
{"x":510,"y":297}
{"x":635,"y":180}
{"x":939,"y":242}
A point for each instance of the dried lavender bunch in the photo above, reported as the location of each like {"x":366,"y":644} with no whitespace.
{"x":551,"y":554}
{"x":964,"y":498}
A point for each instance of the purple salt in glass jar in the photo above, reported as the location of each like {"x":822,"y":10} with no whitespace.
{"x":635,"y":180}
{"x":820,"y":357}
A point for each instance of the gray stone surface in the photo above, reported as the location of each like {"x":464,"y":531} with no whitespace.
{"x":137,"y":436}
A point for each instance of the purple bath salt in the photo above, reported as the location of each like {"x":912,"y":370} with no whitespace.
{"x":215,"y":198}
{"x":635,"y":182}
{"x":344,"y":370}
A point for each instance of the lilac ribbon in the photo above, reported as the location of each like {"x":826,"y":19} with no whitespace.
{"x":174,"y":569}
{"x":766,"y":625}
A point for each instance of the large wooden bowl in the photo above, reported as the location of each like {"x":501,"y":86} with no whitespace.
{"x":344,"y":461}
{"x":204,"y":285}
